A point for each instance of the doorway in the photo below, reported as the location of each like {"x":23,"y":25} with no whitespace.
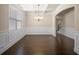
{"x":65,"y":31}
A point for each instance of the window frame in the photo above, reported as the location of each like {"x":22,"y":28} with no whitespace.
{"x":14,"y":14}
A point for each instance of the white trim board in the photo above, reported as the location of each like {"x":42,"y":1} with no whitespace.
{"x":40,"y":30}
{"x":76,"y":49}
{"x":68,"y":31}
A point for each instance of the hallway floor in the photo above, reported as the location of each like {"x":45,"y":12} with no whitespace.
{"x":41,"y":45}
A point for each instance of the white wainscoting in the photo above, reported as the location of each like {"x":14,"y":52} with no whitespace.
{"x":7,"y":39}
{"x":39,"y":30}
{"x":3,"y":39}
{"x":76,"y":49}
{"x":69,"y":32}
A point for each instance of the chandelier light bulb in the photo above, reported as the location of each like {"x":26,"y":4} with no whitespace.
{"x":38,"y":17}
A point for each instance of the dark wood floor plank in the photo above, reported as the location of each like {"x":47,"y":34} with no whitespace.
{"x":42,"y":45}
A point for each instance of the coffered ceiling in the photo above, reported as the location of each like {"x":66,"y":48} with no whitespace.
{"x":34,"y":7}
{"x":42,"y":7}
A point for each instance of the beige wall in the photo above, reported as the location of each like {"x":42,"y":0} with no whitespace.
{"x":69,"y":19}
{"x":57,"y":11}
{"x":62,"y":7}
{"x":70,"y":15}
{"x":4,"y":17}
{"x":31,"y":22}
{"x":76,"y":13}
{"x":77,"y":17}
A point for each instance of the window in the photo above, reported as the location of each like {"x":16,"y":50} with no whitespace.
{"x":19,"y":20}
{"x":12,"y":24}
{"x":18,"y":24}
{"x":15,"y":19}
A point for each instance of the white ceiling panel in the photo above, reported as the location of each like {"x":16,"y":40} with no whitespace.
{"x":34,"y":7}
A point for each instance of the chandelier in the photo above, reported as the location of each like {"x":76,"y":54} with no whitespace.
{"x":38,"y":17}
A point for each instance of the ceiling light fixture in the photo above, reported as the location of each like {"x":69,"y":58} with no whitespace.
{"x":38,"y":17}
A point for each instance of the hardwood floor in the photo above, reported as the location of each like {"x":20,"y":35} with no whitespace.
{"x":65,"y":45}
{"x":42,"y":45}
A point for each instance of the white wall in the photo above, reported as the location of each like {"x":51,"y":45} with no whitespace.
{"x":39,"y":30}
